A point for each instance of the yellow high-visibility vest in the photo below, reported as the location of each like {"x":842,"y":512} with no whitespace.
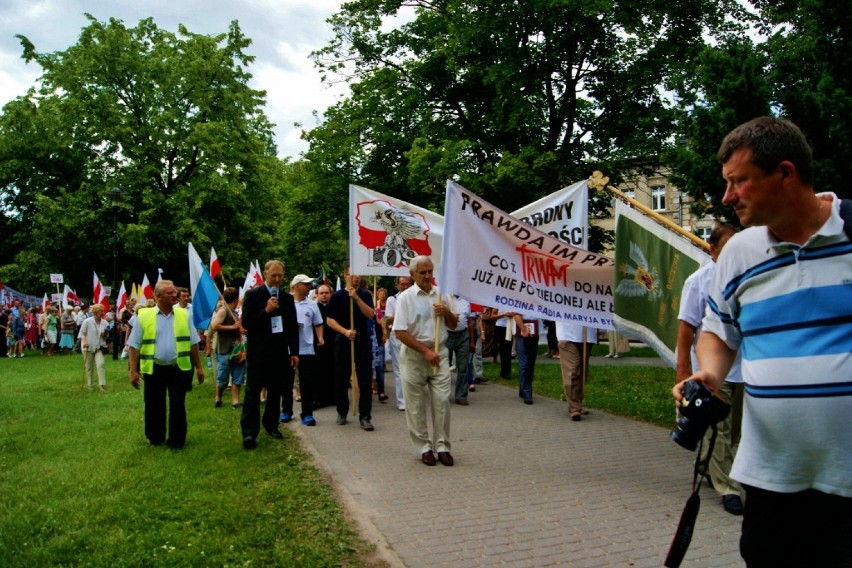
{"x":148,"y":321}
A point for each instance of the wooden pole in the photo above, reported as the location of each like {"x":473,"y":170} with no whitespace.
{"x":585,"y":359}
{"x":437,"y":330}
{"x":601,"y":182}
{"x":353,"y":377}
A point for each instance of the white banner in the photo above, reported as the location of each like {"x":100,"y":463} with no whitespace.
{"x":385,"y":233}
{"x":56,"y":279}
{"x":491,"y":258}
{"x":563,"y":215}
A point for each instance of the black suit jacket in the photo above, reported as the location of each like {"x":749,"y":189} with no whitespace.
{"x":258,"y":324}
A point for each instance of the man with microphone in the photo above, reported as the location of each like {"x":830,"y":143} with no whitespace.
{"x":272,"y":351}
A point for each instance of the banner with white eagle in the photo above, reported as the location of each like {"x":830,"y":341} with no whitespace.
{"x":385,"y":233}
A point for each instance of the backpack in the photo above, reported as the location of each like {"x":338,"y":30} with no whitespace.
{"x":846,"y":215}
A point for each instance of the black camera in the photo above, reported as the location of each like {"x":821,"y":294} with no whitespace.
{"x":698,"y":410}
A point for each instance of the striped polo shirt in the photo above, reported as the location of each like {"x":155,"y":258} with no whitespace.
{"x":788,"y":308}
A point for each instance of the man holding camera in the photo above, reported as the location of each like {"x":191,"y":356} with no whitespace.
{"x":783,"y":296}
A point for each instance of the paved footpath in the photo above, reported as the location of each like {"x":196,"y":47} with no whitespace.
{"x":529,"y":488}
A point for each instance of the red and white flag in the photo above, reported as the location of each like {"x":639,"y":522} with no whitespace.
{"x":258,"y":274}
{"x":69,"y":297}
{"x":214,"y":264}
{"x":99,"y":293}
{"x":147,"y":290}
{"x":121,"y":301}
{"x":44,"y":303}
{"x":97,"y":290}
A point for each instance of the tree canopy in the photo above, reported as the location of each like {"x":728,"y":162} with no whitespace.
{"x":512,"y":99}
{"x":795,"y":64}
{"x":168,"y":119}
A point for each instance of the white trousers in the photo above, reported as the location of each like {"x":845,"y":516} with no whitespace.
{"x":395,"y":345}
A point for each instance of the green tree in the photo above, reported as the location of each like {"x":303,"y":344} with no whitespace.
{"x":728,"y":87}
{"x":796,"y":67}
{"x":808,"y":45}
{"x":314,"y":224}
{"x":517,"y":99}
{"x":169,"y":119}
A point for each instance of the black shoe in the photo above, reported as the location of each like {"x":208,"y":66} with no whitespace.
{"x":275,"y":434}
{"x":341,"y":419}
{"x":249,"y":443}
{"x":217,"y":404}
{"x":366,"y":424}
{"x":733,"y":504}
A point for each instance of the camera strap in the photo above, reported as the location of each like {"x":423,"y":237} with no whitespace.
{"x":686,"y":526}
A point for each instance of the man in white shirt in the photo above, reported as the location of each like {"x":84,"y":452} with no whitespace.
{"x":421,"y":323}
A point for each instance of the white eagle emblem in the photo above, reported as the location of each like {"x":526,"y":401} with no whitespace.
{"x":644,"y":281}
{"x":400,"y":225}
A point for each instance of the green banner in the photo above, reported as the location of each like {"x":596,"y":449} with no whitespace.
{"x":651,"y":265}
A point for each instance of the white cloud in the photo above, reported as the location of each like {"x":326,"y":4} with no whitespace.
{"x":283,"y":33}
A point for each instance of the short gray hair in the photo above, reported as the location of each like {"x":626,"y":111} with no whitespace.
{"x":417,"y":261}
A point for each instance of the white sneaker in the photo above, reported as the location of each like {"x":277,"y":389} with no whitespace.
{"x":21,"y":355}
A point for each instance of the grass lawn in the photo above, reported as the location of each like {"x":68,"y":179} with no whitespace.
{"x":641,"y":393}
{"x":81,"y":485}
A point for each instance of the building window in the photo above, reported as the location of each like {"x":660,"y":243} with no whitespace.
{"x":704,"y":232}
{"x":658,"y":198}
{"x":631,"y":193}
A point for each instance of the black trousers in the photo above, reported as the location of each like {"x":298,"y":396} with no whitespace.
{"x":270,"y":373}
{"x":175,"y":383}
{"x":363,"y":370}
{"x":505,"y":353}
{"x":307,"y":383}
{"x":808,"y":528}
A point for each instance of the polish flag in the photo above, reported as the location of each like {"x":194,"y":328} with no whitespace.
{"x":69,"y":297}
{"x":121,"y":301}
{"x":214,"y":264}
{"x":147,"y":290}
{"x":97,"y":290}
{"x":98,"y":293}
{"x":258,"y":275}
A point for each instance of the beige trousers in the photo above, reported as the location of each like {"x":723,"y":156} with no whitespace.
{"x":424,"y":389}
{"x":92,"y":360}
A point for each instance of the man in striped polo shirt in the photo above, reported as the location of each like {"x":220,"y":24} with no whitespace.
{"x":782,"y":294}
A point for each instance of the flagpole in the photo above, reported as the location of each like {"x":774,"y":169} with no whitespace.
{"x":437,"y":334}
{"x":353,"y":376}
{"x":585,"y":360}
{"x":599,"y":181}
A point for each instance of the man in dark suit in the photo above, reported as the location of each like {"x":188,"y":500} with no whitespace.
{"x":272,"y":352}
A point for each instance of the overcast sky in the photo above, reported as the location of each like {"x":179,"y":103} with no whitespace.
{"x":283,"y":33}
